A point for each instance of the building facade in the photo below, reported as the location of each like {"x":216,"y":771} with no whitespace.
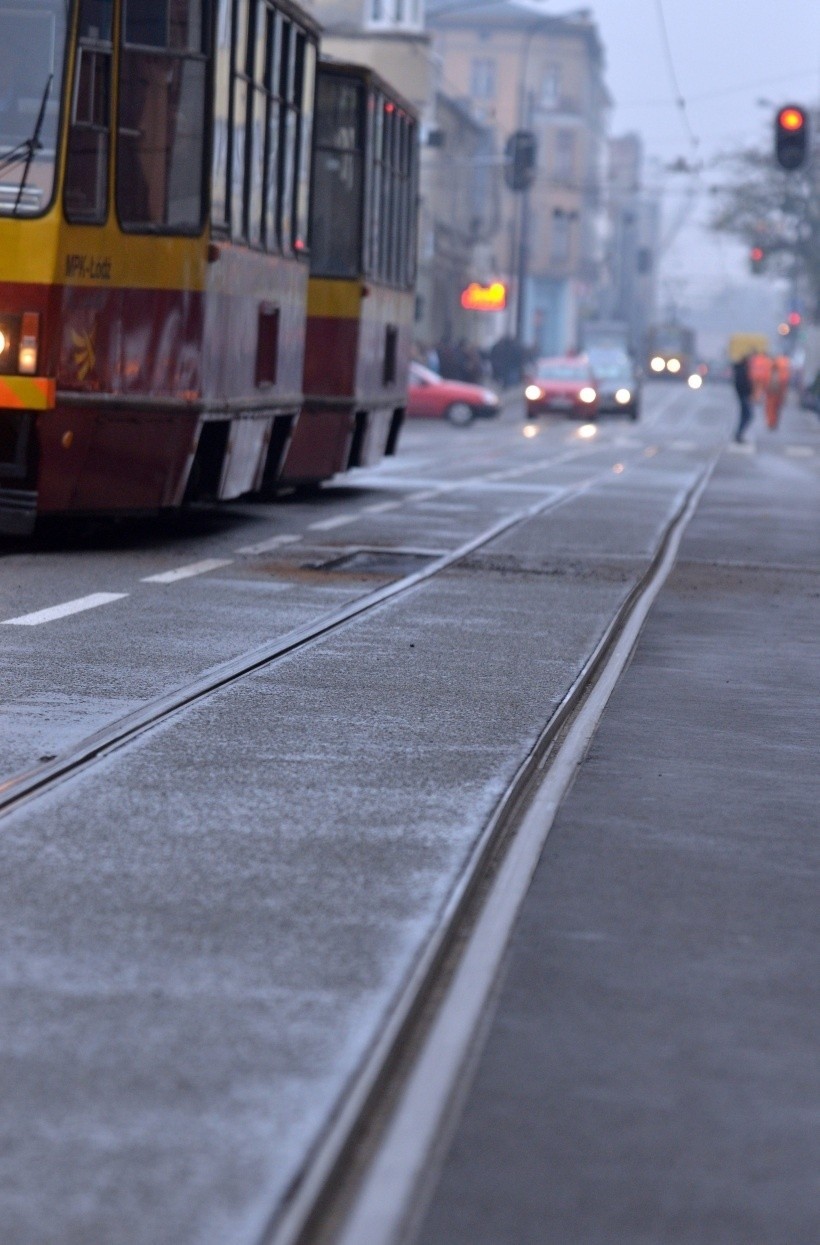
{"x":519,"y":67}
{"x":633,"y":250}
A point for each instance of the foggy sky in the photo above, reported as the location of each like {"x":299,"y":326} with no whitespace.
{"x":727,"y":54}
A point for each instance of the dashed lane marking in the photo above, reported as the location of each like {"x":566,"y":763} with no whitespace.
{"x":265,"y":546}
{"x":683,"y":445}
{"x":799,"y":451}
{"x":381,"y":507}
{"x":62,"y":611}
{"x":187,"y":572}
{"x":327,"y":525}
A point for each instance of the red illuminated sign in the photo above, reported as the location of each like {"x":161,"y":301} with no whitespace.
{"x":491,"y":297}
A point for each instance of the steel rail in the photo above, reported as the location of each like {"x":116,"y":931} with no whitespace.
{"x":319,"y":1193}
{"x":26,"y":785}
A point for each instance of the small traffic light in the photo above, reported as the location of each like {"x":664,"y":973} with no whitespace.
{"x":757,"y":259}
{"x":795,"y":319}
{"x":519,"y":160}
{"x":791,"y":141}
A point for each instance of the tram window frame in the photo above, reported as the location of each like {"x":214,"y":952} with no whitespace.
{"x":94,"y":54}
{"x":269,"y":129}
{"x":327,"y":150}
{"x":134,"y":58}
{"x":307,"y":61}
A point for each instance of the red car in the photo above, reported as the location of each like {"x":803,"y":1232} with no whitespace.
{"x":564,"y":386}
{"x":430,"y":396}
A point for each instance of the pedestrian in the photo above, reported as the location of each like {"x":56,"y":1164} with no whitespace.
{"x":776,"y":390}
{"x":744,"y":388}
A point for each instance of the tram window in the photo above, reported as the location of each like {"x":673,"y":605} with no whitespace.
{"x":32,"y":56}
{"x":271,"y":175}
{"x":162,"y":117}
{"x":222,"y":94}
{"x":335,"y":227}
{"x":172,"y":24}
{"x":377,"y":115}
{"x":85,"y":195}
{"x":287,"y":135}
{"x":255,"y":138}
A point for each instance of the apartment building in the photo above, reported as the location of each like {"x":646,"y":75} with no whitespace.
{"x":518,"y":66}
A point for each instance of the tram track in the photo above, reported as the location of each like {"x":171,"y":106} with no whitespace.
{"x":363,"y":1176}
{"x":26,"y":785}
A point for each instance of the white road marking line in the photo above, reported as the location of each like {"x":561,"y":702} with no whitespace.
{"x":682,"y":445}
{"x":741,"y":447}
{"x":381,"y":507}
{"x":799,"y":451}
{"x":455,"y":507}
{"x":265,"y":546}
{"x":62,"y":611}
{"x":425,"y":496}
{"x":327,"y":525}
{"x":187,"y":572}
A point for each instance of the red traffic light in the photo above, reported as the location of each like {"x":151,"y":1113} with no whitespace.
{"x":756,"y":254}
{"x":791,"y":119}
{"x":794,"y":318}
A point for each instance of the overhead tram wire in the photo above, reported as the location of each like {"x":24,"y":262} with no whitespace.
{"x":680,"y":99}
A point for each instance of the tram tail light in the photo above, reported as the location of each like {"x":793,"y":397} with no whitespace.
{"x":29,"y":343}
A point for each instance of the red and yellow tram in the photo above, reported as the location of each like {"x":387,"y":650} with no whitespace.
{"x":362,"y":275}
{"x":155,"y":161}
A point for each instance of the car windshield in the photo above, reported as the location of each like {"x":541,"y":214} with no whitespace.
{"x":611,"y":365}
{"x":549,"y":370}
{"x":32,"y":49}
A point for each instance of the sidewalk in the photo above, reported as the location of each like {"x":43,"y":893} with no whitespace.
{"x":651,"y":1072}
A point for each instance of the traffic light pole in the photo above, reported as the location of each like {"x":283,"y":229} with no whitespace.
{"x":522,"y":266}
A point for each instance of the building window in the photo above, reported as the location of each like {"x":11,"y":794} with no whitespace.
{"x":482,"y":78}
{"x":550,"y":86}
{"x":564,"y":166}
{"x":560,"y":238}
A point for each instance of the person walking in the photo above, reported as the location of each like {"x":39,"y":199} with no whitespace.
{"x":744,"y":388}
{"x":776,"y":390}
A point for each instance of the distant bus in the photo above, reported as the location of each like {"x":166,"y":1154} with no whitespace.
{"x":670,"y":351}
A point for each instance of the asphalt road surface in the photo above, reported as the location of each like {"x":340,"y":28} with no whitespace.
{"x":205,"y":929}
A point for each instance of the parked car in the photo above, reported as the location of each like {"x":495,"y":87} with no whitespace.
{"x":617,"y":382}
{"x":430,"y":396}
{"x":564,"y":386}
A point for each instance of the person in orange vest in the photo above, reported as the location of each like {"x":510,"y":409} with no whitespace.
{"x":776,"y":387}
{"x":760,"y":371}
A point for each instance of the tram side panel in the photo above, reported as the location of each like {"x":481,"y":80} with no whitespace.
{"x":161,"y":360}
{"x":360,"y":300}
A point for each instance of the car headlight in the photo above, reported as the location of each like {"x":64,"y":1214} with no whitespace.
{"x":489,"y":397}
{"x":587,"y":394}
{"x":695,"y":381}
{"x":658,"y":364}
{"x":533,"y":393}
{"x":673,"y":366}
{"x":623,"y":396}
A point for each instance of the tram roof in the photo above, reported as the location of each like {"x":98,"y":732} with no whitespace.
{"x":372,"y":78}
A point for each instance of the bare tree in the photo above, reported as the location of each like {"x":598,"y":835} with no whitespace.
{"x":776,"y":211}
